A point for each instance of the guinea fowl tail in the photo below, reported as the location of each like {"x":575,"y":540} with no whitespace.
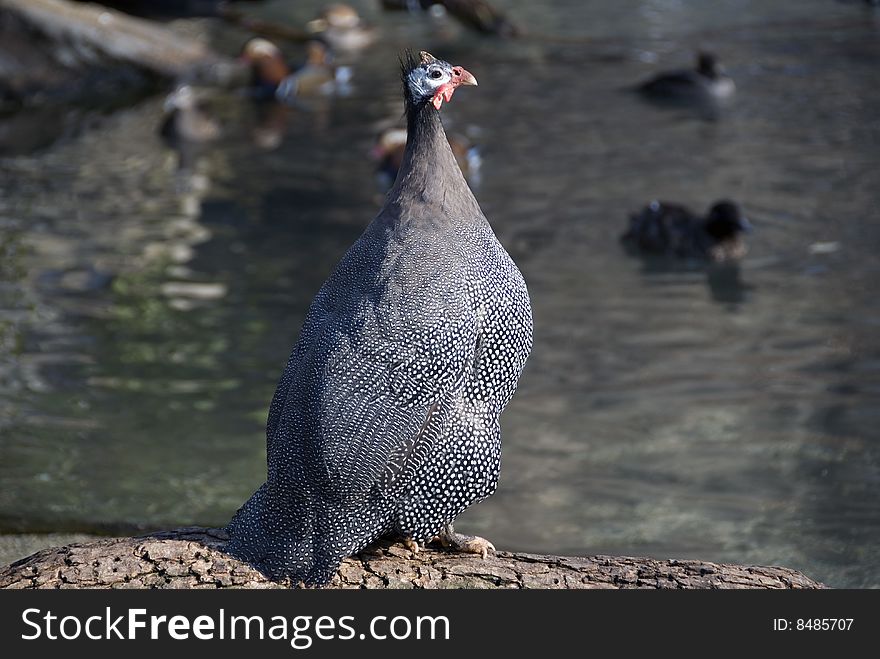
{"x":286,"y":535}
{"x":275,"y":532}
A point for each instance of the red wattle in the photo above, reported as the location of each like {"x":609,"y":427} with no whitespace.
{"x":443,"y":93}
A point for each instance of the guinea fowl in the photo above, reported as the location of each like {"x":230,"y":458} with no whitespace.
{"x":707,"y":82}
{"x":386,"y":419}
{"x":673,"y":230}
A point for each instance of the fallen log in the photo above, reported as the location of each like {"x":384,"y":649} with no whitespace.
{"x":94,"y":32}
{"x":193,"y":558}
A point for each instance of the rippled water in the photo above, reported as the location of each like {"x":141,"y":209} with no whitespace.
{"x":147,"y":305}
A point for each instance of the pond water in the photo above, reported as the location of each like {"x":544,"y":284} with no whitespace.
{"x":148,"y":300}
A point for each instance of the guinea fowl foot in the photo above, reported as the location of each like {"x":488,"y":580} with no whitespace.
{"x":468,"y":544}
{"x":412,"y":545}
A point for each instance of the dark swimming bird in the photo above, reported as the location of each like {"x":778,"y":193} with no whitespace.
{"x":386,"y":419}
{"x":673,"y":230}
{"x":706,"y":82}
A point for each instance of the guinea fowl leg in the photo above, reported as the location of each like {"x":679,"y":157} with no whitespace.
{"x":469,"y":544}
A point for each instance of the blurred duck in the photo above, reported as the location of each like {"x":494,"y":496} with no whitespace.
{"x":186,"y":121}
{"x":706,"y":82}
{"x":340,"y":26}
{"x":267,"y":65}
{"x":672,"y":230}
{"x":272,"y":77}
{"x":391,"y":144}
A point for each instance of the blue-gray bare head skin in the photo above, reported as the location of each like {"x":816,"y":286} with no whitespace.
{"x":428,"y":79}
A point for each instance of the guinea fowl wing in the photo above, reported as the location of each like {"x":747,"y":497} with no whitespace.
{"x":371,"y":385}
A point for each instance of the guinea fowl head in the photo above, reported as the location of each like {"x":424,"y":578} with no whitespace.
{"x":726,"y":220}
{"x":427,"y":79}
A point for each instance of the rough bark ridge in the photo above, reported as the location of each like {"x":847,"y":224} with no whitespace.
{"x":192,"y":558}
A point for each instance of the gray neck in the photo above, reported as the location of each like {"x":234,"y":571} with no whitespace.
{"x":429,"y":178}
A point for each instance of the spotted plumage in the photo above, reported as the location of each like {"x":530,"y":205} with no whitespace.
{"x":386,"y":419}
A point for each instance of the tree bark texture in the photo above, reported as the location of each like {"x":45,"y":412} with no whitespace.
{"x":193,"y":558}
{"x":96,"y":32}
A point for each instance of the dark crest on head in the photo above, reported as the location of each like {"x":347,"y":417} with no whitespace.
{"x":409,"y":62}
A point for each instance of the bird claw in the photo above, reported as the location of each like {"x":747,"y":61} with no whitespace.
{"x":478,"y":545}
{"x":467,"y":544}
{"x":412,"y":545}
